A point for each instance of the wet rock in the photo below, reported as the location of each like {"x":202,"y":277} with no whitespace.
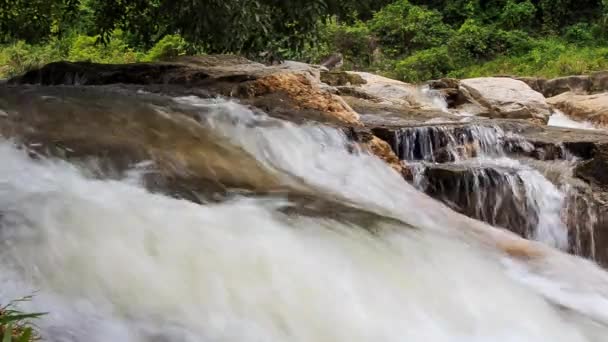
{"x":487,"y":194}
{"x":292,"y":90}
{"x":595,"y":170}
{"x":449,"y":89}
{"x":80,"y":124}
{"x":383,"y":150}
{"x":592,"y":108}
{"x":506,"y":98}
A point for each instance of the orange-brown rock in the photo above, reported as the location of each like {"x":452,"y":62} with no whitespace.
{"x":382,"y":150}
{"x":305,"y":94}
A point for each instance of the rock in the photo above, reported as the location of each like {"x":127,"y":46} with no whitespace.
{"x":594,"y":170}
{"x":341,"y":78}
{"x":449,"y":89}
{"x":506,"y":98}
{"x":383,"y":150}
{"x":575,"y":84}
{"x":592,"y":108}
{"x":118,"y":131}
{"x":486,"y":194}
{"x":333,"y":61}
{"x":388,"y":90}
{"x":536,"y":83}
{"x":290,"y":90}
{"x":302,"y":93}
{"x":599,"y":81}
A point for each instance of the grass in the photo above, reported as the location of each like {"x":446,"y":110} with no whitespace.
{"x":15,"y":325}
{"x":548,"y":59}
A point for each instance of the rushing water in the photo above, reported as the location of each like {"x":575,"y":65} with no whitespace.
{"x":500,"y":190}
{"x":114,"y":262}
{"x":559,"y":119}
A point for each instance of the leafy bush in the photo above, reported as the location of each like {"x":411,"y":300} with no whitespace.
{"x":579,"y":33}
{"x":403,"y":28}
{"x":354,"y":42}
{"x":425,"y":65}
{"x":15,"y":326}
{"x":89,"y":48}
{"x":474,"y":42}
{"x":170,"y":46}
{"x":517,"y":15}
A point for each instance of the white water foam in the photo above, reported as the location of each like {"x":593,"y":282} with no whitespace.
{"x":559,"y":119}
{"x":114,"y":262}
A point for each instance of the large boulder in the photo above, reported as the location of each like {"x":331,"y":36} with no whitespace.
{"x":506,"y":98}
{"x":591,"y":108}
{"x":289,"y":90}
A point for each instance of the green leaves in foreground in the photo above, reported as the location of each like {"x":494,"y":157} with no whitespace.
{"x":15,"y":326}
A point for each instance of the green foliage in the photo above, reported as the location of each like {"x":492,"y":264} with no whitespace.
{"x":87,"y":48}
{"x":169,"y":47}
{"x":549,"y":58}
{"x":406,"y":28}
{"x":517,"y":15}
{"x":20,"y":56}
{"x":474,"y":42}
{"x":15,"y":326}
{"x":425,"y":65}
{"x":579,"y":33}
{"x":413,"y":39}
{"x":354,"y":42}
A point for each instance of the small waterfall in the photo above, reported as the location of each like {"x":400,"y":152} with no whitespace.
{"x":444,"y":143}
{"x":468,"y":168}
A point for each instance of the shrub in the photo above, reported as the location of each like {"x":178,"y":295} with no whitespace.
{"x":425,"y":65}
{"x":403,"y":28}
{"x":517,"y":15}
{"x":580,"y":33}
{"x":474,"y":42}
{"x":354,"y":42}
{"x":170,"y":46}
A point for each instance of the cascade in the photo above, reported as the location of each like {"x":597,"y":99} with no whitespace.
{"x":111,"y":261}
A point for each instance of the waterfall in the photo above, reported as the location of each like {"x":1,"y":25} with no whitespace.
{"x":492,"y":186}
{"x":111,"y":261}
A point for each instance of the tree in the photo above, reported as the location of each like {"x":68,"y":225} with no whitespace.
{"x":217,"y":25}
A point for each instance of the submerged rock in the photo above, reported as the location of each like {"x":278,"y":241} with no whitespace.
{"x":506,"y":98}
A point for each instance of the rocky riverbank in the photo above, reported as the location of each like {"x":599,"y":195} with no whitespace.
{"x":438,"y":136}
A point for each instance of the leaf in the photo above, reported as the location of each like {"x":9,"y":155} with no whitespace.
{"x":13,"y":318}
{"x":26,"y":336}
{"x":8,"y":333}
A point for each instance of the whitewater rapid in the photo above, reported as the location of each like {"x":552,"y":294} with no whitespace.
{"x":111,"y":261}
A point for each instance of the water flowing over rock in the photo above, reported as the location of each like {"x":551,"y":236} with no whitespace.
{"x":590,"y":108}
{"x":285,"y":90}
{"x":280,"y":215}
{"x":506,"y":98}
